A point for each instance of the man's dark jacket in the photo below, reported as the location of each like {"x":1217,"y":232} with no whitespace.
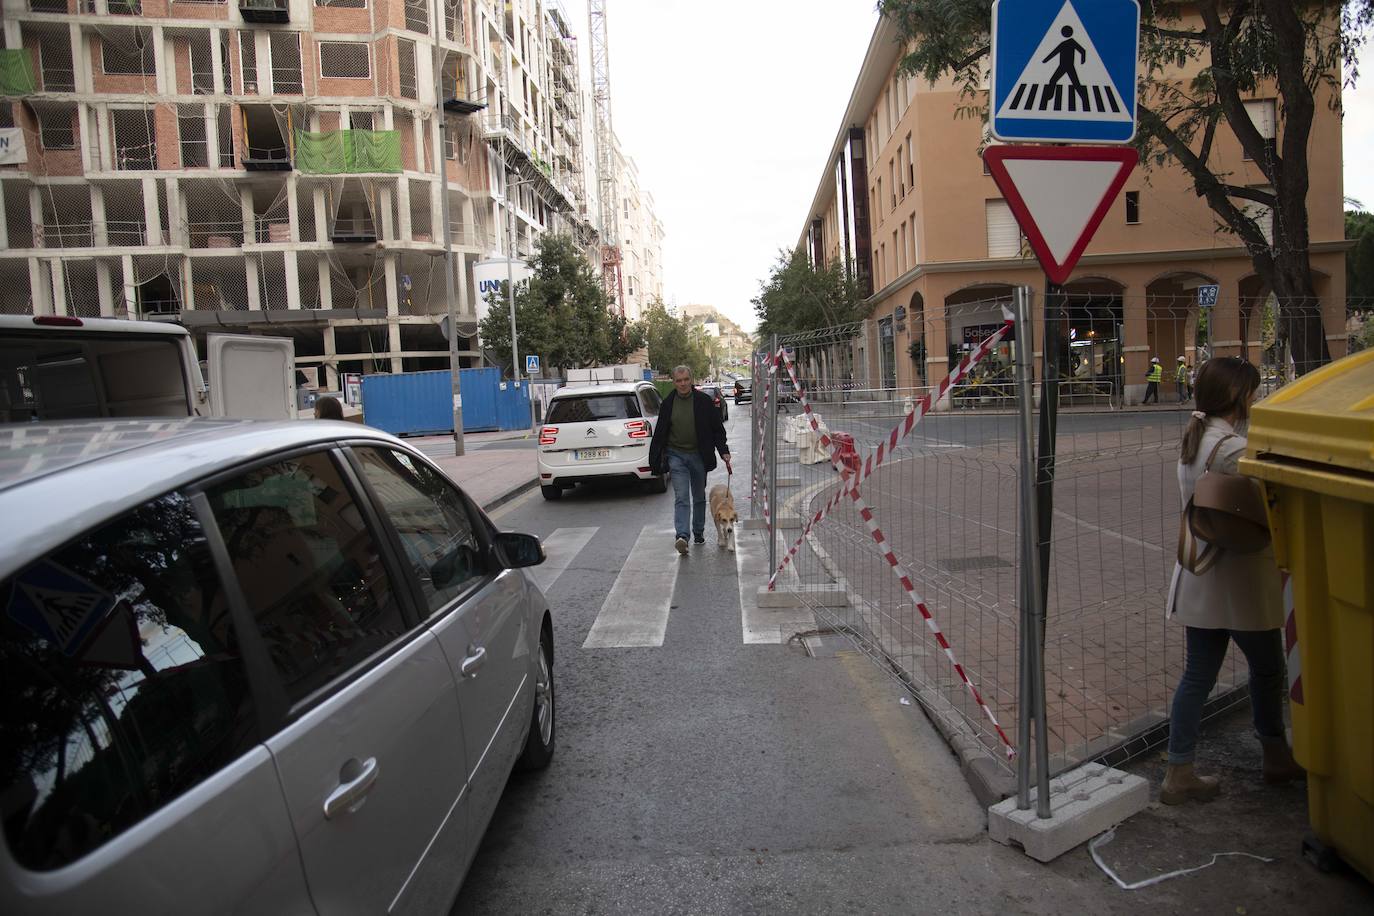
{"x":710,"y":431}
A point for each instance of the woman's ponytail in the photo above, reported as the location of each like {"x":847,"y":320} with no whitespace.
{"x":1192,"y":437}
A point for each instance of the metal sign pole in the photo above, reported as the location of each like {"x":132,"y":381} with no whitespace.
{"x":450,"y":299}
{"x":1029,"y":556}
{"x":770,"y":366}
{"x":1044,"y":507}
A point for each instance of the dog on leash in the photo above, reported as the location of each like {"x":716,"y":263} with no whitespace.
{"x":723,"y":512}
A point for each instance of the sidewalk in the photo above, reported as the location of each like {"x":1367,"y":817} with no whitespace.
{"x":492,"y":475}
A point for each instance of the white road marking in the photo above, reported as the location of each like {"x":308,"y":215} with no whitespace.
{"x":560,"y":549}
{"x":1107,"y":531}
{"x":635,"y":613}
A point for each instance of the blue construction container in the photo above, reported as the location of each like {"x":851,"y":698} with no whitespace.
{"x":420,"y":403}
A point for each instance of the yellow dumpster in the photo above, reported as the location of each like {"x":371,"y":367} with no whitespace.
{"x":1312,"y":446}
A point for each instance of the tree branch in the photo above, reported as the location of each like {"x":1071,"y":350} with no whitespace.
{"x":1221,"y":38}
{"x":1173,"y":33}
{"x":1256,"y":194}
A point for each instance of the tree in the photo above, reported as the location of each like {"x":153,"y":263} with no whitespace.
{"x":799,"y":297}
{"x":1359,"y":262}
{"x":1240,"y":46}
{"x":671,"y":342}
{"x":561,"y":312}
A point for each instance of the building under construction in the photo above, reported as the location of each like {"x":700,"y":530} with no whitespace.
{"x":273,"y":166}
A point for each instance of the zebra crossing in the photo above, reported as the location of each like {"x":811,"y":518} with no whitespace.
{"x":636,"y":610}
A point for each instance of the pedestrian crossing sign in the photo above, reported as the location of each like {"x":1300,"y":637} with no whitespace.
{"x":1064,"y":71}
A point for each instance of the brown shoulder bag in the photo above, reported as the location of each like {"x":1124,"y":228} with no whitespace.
{"x":1226,"y":512}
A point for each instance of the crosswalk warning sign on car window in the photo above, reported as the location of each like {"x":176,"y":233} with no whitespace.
{"x":1060,"y":76}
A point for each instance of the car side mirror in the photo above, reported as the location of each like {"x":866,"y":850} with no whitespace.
{"x":519,"y":550}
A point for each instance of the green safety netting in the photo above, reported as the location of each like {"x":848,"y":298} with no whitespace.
{"x":16,"y":72}
{"x":343,"y":152}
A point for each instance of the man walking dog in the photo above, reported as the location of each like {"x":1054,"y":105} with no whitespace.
{"x":687,"y":436}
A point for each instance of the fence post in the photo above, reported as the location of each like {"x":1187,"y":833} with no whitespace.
{"x":1030,"y":703}
{"x":754,"y":418}
{"x":770,"y":365}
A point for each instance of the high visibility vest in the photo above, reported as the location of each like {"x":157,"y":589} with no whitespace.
{"x":1181,"y":374}
{"x":1156,"y":373}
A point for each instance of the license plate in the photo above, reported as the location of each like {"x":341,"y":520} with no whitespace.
{"x":591,"y":454}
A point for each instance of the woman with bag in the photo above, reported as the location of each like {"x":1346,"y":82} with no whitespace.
{"x":1233,"y":595}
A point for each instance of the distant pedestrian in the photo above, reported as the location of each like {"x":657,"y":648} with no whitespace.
{"x":1238,"y":599}
{"x":1182,"y":376}
{"x":1152,"y":380}
{"x":328,"y":408}
{"x":686,"y":438}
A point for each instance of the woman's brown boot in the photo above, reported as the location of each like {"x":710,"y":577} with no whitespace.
{"x":1181,"y":784}
{"x":1279,"y":765}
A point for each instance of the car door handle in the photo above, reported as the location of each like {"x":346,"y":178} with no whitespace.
{"x":477,"y":659}
{"x":349,"y":795}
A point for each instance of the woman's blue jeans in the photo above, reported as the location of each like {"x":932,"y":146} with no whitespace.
{"x":689,"y":492}
{"x":1206,"y":650}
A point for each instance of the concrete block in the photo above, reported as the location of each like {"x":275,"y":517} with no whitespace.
{"x":799,"y":595}
{"x":1083,"y":803}
{"x":789,"y":481}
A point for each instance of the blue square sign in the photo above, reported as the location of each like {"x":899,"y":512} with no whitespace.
{"x":1064,"y":71}
{"x":531,"y":364}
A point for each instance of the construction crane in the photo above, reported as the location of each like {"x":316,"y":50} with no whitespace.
{"x":605,"y":155}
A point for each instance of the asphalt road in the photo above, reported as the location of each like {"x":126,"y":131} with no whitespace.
{"x":701,"y":775}
{"x":704,"y":775}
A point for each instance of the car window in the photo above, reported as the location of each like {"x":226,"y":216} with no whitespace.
{"x":435,"y":529}
{"x":649,"y":399}
{"x":587,"y":408}
{"x":122,"y":682}
{"x":309,"y":568}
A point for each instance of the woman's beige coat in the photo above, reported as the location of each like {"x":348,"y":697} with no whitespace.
{"x":1240,"y":592}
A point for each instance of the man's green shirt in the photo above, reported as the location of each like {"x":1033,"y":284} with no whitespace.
{"x":682,"y":435}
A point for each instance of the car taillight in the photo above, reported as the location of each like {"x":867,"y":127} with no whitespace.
{"x":639,"y":429}
{"x":548,"y":435}
{"x":61,"y":321}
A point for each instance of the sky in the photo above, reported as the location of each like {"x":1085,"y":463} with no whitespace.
{"x":729,"y":109}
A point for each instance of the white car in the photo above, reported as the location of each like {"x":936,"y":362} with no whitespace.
{"x":596,"y":432}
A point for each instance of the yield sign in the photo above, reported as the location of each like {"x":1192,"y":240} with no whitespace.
{"x":1059,"y":195}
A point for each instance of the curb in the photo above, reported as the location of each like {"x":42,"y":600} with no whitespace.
{"x":515,"y":492}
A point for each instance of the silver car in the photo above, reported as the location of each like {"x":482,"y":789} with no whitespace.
{"x":254,"y":667}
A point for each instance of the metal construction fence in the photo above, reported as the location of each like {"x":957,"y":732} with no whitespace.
{"x":907,"y":498}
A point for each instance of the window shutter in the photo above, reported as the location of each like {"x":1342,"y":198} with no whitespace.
{"x":1004,"y":236}
{"x":1261,"y":112}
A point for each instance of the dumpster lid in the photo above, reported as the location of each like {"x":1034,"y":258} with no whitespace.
{"x":1325,"y":417}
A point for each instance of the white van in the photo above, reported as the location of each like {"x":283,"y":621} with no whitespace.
{"x":57,"y":367}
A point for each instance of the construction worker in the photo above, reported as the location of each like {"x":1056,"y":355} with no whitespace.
{"x":1181,"y":376}
{"x":1153,"y":378}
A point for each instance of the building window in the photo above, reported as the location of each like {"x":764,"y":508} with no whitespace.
{"x":406,"y":62}
{"x":55,"y":129}
{"x":1132,"y":208}
{"x":344,"y":60}
{"x":1261,"y":214}
{"x":131,"y":58}
{"x":417,"y":16}
{"x":134,"y":139}
{"x":224,"y":119}
{"x":343,"y":4}
{"x":287,"y":77}
{"x":1261,"y":112}
{"x":248,"y":57}
{"x":195,"y":153}
{"x":910,"y":165}
{"x":1004,"y":238}
{"x":362,"y":119}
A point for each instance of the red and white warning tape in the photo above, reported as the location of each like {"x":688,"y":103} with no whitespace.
{"x":898,"y":433}
{"x":871,"y":522}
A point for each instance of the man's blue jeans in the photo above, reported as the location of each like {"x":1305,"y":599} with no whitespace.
{"x":689,"y":492}
{"x":1206,"y":650}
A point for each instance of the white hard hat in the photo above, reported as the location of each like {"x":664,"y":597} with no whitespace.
{"x":1154,"y":359}
{"x":1183,"y":359}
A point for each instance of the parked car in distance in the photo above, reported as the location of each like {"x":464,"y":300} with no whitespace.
{"x":599,"y":432}
{"x":239,"y":666}
{"x":717,"y":398}
{"x":744,"y":390}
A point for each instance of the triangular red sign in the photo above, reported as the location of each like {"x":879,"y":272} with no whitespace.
{"x":1059,"y":195}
